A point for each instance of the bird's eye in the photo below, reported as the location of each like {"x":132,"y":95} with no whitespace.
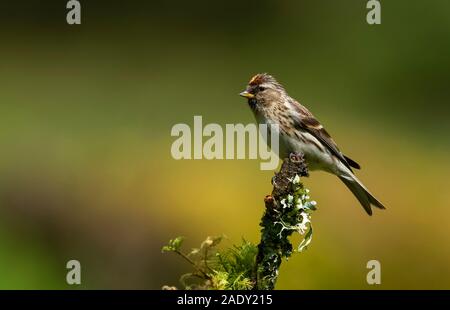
{"x":261,"y":88}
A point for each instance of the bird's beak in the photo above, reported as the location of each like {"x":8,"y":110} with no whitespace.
{"x":246,"y":94}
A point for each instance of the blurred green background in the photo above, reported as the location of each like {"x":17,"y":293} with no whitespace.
{"x":86,"y":113}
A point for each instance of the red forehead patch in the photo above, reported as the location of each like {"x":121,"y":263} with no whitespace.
{"x":259,"y":79}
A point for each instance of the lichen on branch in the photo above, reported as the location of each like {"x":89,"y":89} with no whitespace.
{"x":247,"y":266}
{"x":288,"y":210}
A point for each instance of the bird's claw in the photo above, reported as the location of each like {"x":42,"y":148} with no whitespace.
{"x":295,"y":157}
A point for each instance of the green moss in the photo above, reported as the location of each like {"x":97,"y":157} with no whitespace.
{"x":247,"y":266}
{"x":219,"y":269}
{"x":284,"y":216}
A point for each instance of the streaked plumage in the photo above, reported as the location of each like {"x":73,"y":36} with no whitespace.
{"x":300,"y":131}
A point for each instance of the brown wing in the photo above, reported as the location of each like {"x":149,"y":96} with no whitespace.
{"x":308,"y":122}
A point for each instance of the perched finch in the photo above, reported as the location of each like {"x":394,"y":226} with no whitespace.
{"x":300,"y":131}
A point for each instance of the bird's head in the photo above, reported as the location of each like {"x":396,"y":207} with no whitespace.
{"x":263,"y":91}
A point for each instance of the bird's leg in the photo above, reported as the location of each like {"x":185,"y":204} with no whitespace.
{"x":295,"y":157}
{"x":274,"y":178}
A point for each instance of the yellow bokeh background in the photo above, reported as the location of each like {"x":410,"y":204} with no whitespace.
{"x":86,"y":113}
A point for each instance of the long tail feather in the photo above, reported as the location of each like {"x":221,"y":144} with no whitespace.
{"x":361,"y":193}
{"x":352,"y":163}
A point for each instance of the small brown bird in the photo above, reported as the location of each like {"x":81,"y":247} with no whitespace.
{"x":300,"y":131}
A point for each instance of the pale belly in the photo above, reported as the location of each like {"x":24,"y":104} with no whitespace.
{"x":316,"y":158}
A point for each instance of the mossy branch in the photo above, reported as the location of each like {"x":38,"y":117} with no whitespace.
{"x":247,"y":266}
{"x":287,"y":211}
